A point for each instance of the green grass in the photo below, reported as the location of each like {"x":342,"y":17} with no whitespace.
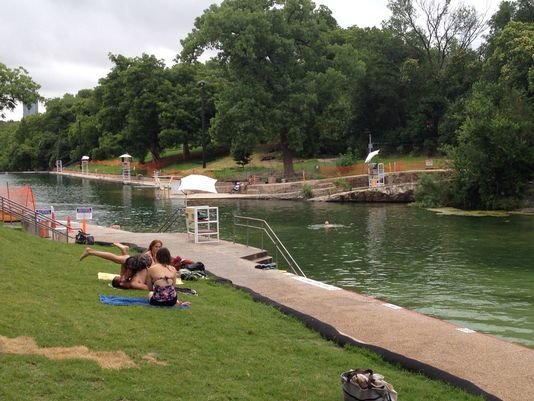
{"x":226,"y":347}
{"x":222,"y":166}
{"x":97,"y":168}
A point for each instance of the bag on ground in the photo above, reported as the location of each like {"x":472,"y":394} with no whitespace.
{"x":84,"y":238}
{"x":196,"y":266}
{"x":364,"y":385}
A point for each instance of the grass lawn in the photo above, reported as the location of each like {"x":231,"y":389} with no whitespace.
{"x":225,"y":347}
{"x":263,"y":163}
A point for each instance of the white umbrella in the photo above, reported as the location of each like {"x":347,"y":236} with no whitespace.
{"x":371,"y":155}
{"x":196,"y":182}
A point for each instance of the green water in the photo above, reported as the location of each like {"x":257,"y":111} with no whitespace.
{"x":477,"y":272}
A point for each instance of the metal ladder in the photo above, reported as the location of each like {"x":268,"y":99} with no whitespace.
{"x":169,"y":221}
{"x":265,"y":230}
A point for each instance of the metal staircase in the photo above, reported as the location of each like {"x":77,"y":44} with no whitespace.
{"x":261,"y":226}
{"x":33,"y":222}
{"x":171,"y":219}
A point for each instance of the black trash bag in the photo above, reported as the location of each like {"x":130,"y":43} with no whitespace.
{"x":84,"y":238}
{"x":196,"y":266}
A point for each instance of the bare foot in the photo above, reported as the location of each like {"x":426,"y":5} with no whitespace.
{"x":183,"y":303}
{"x":124,"y":248}
{"x":85,"y":253}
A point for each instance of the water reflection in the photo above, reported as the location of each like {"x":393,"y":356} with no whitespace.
{"x":375,"y":234}
{"x":475,"y":272}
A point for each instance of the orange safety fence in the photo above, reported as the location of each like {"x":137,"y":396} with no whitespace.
{"x":389,"y":167}
{"x":21,"y":195}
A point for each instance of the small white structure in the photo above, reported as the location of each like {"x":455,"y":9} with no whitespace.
{"x":375,"y":171}
{"x":126,"y":164}
{"x":85,"y":165}
{"x":59,"y":166}
{"x":202,"y":223}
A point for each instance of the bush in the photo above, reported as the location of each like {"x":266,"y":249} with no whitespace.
{"x":307,"y":191}
{"x":348,"y":159}
{"x":343,"y":184}
{"x":432,"y":191}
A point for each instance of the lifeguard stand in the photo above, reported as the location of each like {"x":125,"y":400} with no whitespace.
{"x":375,"y":171}
{"x":59,"y":166}
{"x":126,"y":164}
{"x":376,"y":174}
{"x":85,"y":165}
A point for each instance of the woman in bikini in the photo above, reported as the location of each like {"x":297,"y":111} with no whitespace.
{"x":161,"y":281}
{"x":153,"y":249}
{"x":133,"y":271}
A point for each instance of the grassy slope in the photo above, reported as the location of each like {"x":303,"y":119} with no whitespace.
{"x":226,"y":347}
{"x":225,"y":168}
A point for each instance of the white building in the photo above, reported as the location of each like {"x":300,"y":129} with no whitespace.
{"x":28,"y":110}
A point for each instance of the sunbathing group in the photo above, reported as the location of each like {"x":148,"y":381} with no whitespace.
{"x":151,"y":271}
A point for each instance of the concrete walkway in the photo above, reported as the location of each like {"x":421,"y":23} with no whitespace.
{"x":481,"y":363}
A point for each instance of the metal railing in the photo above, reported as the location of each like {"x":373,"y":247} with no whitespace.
{"x":263,"y":227}
{"x":33,"y":222}
{"x":171,"y":219}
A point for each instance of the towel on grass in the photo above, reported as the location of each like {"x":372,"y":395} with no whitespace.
{"x":111,"y":276}
{"x":118,"y":300}
{"x":106,"y":276}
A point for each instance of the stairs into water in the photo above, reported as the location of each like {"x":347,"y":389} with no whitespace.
{"x":259,"y":258}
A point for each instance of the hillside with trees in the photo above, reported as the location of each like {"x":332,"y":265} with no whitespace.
{"x":283,"y":73}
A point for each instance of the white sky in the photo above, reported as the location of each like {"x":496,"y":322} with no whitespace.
{"x":64,"y":44}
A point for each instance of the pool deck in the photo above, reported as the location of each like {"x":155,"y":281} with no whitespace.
{"x":483,"y":364}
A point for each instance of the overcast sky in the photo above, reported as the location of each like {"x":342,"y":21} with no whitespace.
{"x":64,"y":44}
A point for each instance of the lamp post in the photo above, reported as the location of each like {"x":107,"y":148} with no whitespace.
{"x":370,"y":146}
{"x":201,"y":85}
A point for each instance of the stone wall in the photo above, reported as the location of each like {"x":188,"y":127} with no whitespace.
{"x":335,"y":189}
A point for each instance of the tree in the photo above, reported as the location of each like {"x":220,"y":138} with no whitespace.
{"x":181,"y":114}
{"x":494,"y":158}
{"x":519,"y":11}
{"x":7,"y":141}
{"x":435,"y":26}
{"x":281,"y":82}
{"x":511,"y":59}
{"x":130,"y":102}
{"x":444,"y":67}
{"x":16,"y":85}
{"x":83,"y":133}
{"x":384,"y":91}
{"x":242,"y":156}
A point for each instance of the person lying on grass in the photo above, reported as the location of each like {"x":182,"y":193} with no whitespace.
{"x":161,"y":281}
{"x":133,"y":271}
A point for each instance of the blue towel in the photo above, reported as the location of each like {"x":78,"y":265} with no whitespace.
{"x":118,"y":300}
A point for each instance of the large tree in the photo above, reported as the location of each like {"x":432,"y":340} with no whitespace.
{"x":383,"y":94}
{"x":435,"y":26}
{"x":494,"y":158}
{"x":181,"y":116}
{"x":16,"y":86}
{"x":83,"y":133}
{"x":442,"y":34}
{"x":282,"y":84}
{"x":130,"y":101}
